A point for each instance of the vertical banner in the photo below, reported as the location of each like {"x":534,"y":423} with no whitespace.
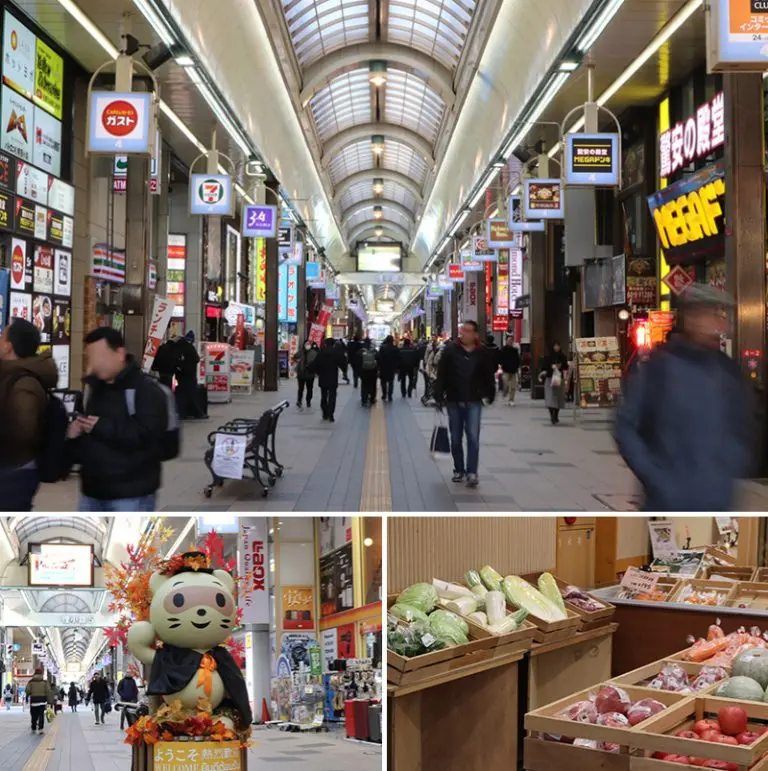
{"x":261,"y":270}
{"x":515,"y":276}
{"x":162,"y":310}
{"x":317,"y":333}
{"x":469,"y":302}
{"x":502,"y":283}
{"x":253,"y":564}
{"x":282,"y":293}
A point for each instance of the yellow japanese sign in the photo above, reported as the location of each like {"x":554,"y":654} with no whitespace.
{"x":49,"y":79}
{"x":298,"y":607}
{"x":691,"y":217}
{"x":261,"y":270}
{"x":197,"y":756}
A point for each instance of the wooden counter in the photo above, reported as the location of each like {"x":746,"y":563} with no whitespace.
{"x":463,"y":720}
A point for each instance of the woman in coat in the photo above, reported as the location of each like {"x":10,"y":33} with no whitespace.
{"x":554,"y":373}
{"x":74,"y":697}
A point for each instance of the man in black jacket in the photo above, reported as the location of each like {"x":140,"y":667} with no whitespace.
{"x":389,"y":362}
{"x":510,"y":365}
{"x":326,"y":366}
{"x":98,"y":693}
{"x":117,"y":440}
{"x":128,"y":692}
{"x":465,"y":378}
{"x":353,"y":351}
{"x":410,"y":357}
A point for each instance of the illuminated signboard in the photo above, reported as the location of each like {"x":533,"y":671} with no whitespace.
{"x":737,"y":35}
{"x":54,"y":564}
{"x":689,"y":216}
{"x":515,"y":218}
{"x":499,"y":236}
{"x":592,"y":159}
{"x":697,"y":137}
{"x":120,"y":123}
{"x":468,"y":263}
{"x":543,"y":199}
{"x":481,"y":250}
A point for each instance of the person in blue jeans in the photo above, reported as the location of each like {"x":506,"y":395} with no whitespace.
{"x":117,"y":441}
{"x":465,"y":380}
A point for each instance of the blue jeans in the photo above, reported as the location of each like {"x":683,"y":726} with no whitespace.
{"x":19,"y":486}
{"x":464,"y":418}
{"x":142,"y":503}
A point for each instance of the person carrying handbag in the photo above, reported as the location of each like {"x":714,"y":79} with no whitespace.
{"x":554,"y":373}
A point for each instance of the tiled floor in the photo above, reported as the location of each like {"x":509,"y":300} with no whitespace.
{"x":74,"y":743}
{"x":525,"y":463}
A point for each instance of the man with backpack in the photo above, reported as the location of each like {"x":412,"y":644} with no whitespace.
{"x":25,"y":380}
{"x":128,"y":428}
{"x":305,"y":375}
{"x":369,"y":368}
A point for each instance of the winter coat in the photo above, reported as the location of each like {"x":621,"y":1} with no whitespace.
{"x":74,"y":696}
{"x":127,"y":690}
{"x":495,"y":353}
{"x":120,"y":458}
{"x":684,"y":428}
{"x":303,"y":360}
{"x":465,"y":376}
{"x":409,"y":359}
{"x":389,"y":360}
{"x":510,"y":359}
{"x":326,"y":367}
{"x":23,"y":402}
{"x":98,"y":693}
{"x":353,"y":349}
{"x":39,"y":691}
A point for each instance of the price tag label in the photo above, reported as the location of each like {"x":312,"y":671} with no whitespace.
{"x":639,"y":582}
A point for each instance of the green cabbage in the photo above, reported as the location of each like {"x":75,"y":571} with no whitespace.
{"x":423,"y":597}
{"x":407,"y":613}
{"x":448,"y":627}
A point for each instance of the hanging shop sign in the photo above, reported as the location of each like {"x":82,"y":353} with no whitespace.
{"x":315,"y":275}
{"x":737,"y":34}
{"x":502,"y":283}
{"x":211,"y":194}
{"x":120,"y":174}
{"x":515,"y":277}
{"x":678,"y":279}
{"x":292,"y":256}
{"x":261,"y":270}
{"x":252,"y":554}
{"x":120,"y":123}
{"x":695,"y":138}
{"x":469,"y":302}
{"x":108,"y":264}
{"x":455,"y":273}
{"x":248,"y":312}
{"x":444,"y":283}
{"x":468,"y":263}
{"x":259,"y":221}
{"x":318,"y":330}
{"x":543,"y":199}
{"x":515,"y":218}
{"x":285,"y":236}
{"x":5,"y":287}
{"x":481,"y":250}
{"x":22,"y":266}
{"x":433,"y":292}
{"x":592,"y":159}
{"x":500,"y":323}
{"x":287,"y":294}
{"x":162,"y":311}
{"x":176,"y":273}
{"x":689,"y":216}
{"x":499,"y":236}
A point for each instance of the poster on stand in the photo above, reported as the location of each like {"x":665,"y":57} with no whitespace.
{"x":663,"y":540}
{"x":217,"y":372}
{"x":229,"y":455}
{"x":241,"y":371}
{"x":295,"y":646}
{"x":162,"y":310}
{"x":599,"y":371}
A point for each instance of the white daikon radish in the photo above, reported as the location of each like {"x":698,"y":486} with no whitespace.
{"x":479,"y":618}
{"x":495,"y":607}
{"x":450,"y":591}
{"x":462,"y":606}
{"x":507,"y":625}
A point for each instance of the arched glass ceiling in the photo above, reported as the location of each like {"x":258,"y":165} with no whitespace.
{"x":410,"y":102}
{"x":351,"y":159}
{"x":360,"y":191}
{"x":400,"y":157}
{"x":366,"y":215}
{"x":398,"y":193}
{"x":318,"y":27}
{"x":27,"y":527}
{"x":437,"y":27}
{"x":344,"y":102}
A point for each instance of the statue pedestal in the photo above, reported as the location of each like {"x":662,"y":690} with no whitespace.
{"x":188,"y":755}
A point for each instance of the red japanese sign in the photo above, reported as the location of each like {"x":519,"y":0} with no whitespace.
{"x":500,"y":323}
{"x":119,"y":118}
{"x":455,"y":273}
{"x":678,"y":279}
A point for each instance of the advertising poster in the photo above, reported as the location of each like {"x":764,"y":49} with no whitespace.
{"x":294,"y":646}
{"x":543,"y":199}
{"x":334,"y":532}
{"x":17,"y":125}
{"x":599,"y":371}
{"x":176,"y":275}
{"x":217,"y":374}
{"x":61,"y":196}
{"x":62,"y":321}
{"x":8,"y":172}
{"x":68,"y":238}
{"x":43,"y":270}
{"x":229,"y":456}
{"x":7,"y":211}
{"x":47,"y":149}
{"x":54,"y":564}
{"x":20,"y":306}
{"x":120,"y":123}
{"x":42,"y":316}
{"x":330,"y":643}
{"x":25,"y":217}
{"x":62,"y":273}
{"x":592,"y":159}
{"x":211,"y":194}
{"x":282,"y":293}
{"x":502,"y":284}
{"x":21,"y":266}
{"x":345,"y":641}
{"x":49,"y":80}
{"x":61,"y":358}
{"x":162,"y":310}
{"x":41,"y":222}
{"x":55,"y":228}
{"x":31,"y":183}
{"x":18,"y":56}
{"x":253,"y":562}
{"x":663,"y":540}
{"x":469,"y":301}
{"x":298,"y":607}
{"x":336,"y":581}
{"x":5,"y":287}
{"x":261,"y":270}
{"x":241,"y":370}
{"x":515,"y":277}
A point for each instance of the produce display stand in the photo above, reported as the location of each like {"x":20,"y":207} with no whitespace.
{"x":713,"y":572}
{"x":698,"y":585}
{"x":223,"y":756}
{"x":753,"y":596}
{"x":643,"y":675}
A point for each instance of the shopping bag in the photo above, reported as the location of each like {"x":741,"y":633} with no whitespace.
{"x":440,"y":442}
{"x":50,"y":714}
{"x":557,"y":378}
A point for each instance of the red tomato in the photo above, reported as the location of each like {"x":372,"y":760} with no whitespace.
{"x":733,"y":720}
{"x":681,"y":759}
{"x":687,"y":735}
{"x":723,"y":739}
{"x":747,"y":737}
{"x":706,"y":725}
{"x":660,"y":755}
{"x":721,"y":764}
{"x":711,"y":736}
{"x":696,"y":761}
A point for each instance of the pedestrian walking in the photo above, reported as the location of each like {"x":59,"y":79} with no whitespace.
{"x":341,"y":347}
{"x":304,"y":360}
{"x":98,"y":695}
{"x":509,"y":357}
{"x":369,"y":367}
{"x":186,"y":378}
{"x":353,"y":355}
{"x":40,"y":696}
{"x":8,"y":696}
{"x":465,"y":379}
{"x":685,"y":425}
{"x":409,"y":368}
{"x":326,"y":367}
{"x":73,"y":697}
{"x":119,"y":441}
{"x":554,"y":373}
{"x":389,"y":363}
{"x":128,"y":692}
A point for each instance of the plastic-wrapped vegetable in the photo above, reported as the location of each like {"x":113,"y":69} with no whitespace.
{"x":590,"y":744}
{"x":479,"y":618}
{"x":413,"y":640}
{"x":613,"y":719}
{"x":491,"y":578}
{"x":462,"y":606}
{"x":549,"y":588}
{"x":611,"y":699}
{"x":421,"y":596}
{"x":475,"y":584}
{"x":643,"y":709}
{"x":581,"y":599}
{"x":521,"y":594}
{"x":448,"y":627}
{"x":450,"y":591}
{"x":407,"y":613}
{"x":708,"y":676}
{"x":495,"y":607}
{"x":580,"y":712}
{"x":505,"y":626}
{"x":671,"y":678}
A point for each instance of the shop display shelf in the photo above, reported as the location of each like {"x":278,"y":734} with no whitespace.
{"x":555,"y":631}
{"x":589,"y":619}
{"x":518,"y":641}
{"x":735,"y":574}
{"x":750,"y":596}
{"x":642,"y":676}
{"x":724,"y":591}
{"x":666,"y":586}
{"x":761,"y":576}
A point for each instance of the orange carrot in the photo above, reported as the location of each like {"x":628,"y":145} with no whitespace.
{"x":707,"y":649}
{"x":715,"y":632}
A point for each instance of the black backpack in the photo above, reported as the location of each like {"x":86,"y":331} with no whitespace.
{"x":368,"y":360}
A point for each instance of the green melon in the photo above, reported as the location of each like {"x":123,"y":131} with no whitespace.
{"x":741,"y":687}
{"x":753,"y":663}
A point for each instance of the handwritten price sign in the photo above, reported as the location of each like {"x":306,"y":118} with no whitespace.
{"x":639,"y":582}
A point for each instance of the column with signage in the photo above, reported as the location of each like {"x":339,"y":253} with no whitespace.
{"x":137,"y":230}
{"x":271,"y":302}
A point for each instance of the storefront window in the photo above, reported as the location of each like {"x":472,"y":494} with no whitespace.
{"x":372,"y":558}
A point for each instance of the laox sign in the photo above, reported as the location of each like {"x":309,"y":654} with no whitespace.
{"x":254,"y":565}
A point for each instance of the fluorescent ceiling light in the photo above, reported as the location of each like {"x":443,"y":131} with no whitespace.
{"x":90,"y":27}
{"x":596,"y":28}
{"x":459,"y":222}
{"x":568,"y":65}
{"x":185,"y":61}
{"x":157,"y":22}
{"x":181,"y":126}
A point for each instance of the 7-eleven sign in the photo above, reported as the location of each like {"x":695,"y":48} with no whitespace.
{"x":678,"y":280}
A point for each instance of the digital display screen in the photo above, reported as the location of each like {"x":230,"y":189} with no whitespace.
{"x":379,"y":259}
{"x":55,"y":564}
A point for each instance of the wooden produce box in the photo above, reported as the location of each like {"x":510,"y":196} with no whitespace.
{"x":642,"y":676}
{"x":733,"y":573}
{"x":657,"y":733}
{"x":700,"y":585}
{"x":665,"y":586}
{"x":753,"y":596}
{"x":512,"y":642}
{"x":760,"y":576}
{"x":589,"y":619}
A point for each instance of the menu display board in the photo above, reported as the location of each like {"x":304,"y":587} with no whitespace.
{"x":7,"y":211}
{"x":599,"y":371}
{"x":43,"y":271}
{"x":62,"y":282}
{"x":25,"y":217}
{"x":21,"y":266}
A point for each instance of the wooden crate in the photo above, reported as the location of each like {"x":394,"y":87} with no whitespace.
{"x":545,"y":721}
{"x":642,"y":676}
{"x":749,"y":595}
{"x":702,"y":585}
{"x":761,"y":576}
{"x":657,"y":733}
{"x":589,"y":619}
{"x":511,"y":642}
{"x":540,"y":755}
{"x":729,"y":572}
{"x":667,"y":585}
